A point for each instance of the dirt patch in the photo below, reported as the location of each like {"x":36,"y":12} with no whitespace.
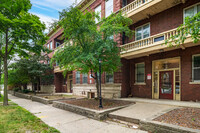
{"x":185,"y":117}
{"x":94,"y":104}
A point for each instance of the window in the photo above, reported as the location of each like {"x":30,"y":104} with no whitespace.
{"x":85,"y":77}
{"x":124,"y":3}
{"x":109,"y":78}
{"x":48,"y":45}
{"x":98,"y":10}
{"x":57,"y":44}
{"x":109,"y":8}
{"x":142,"y":32}
{"x":191,"y":11}
{"x":57,"y":63}
{"x":51,"y":45}
{"x":140,"y":74}
{"x":196,"y":68}
{"x":77,"y":77}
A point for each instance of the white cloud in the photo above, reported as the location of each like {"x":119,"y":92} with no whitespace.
{"x":46,"y":19}
{"x":53,"y":4}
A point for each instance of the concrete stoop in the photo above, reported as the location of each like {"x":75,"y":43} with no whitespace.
{"x":154,"y":126}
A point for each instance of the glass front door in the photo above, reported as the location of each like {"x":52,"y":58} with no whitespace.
{"x":166,"y":85}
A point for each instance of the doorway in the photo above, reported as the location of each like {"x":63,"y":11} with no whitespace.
{"x":166,"y":85}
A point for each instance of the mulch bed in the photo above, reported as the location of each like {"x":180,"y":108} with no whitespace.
{"x":94,"y":104}
{"x":185,"y":117}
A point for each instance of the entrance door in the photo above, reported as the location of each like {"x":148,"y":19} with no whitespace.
{"x":71,"y":81}
{"x":166,"y":85}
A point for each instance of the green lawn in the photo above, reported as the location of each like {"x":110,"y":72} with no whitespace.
{"x":1,"y":98}
{"x":16,"y":119}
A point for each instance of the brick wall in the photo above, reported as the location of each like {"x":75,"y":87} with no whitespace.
{"x":166,"y":20}
{"x":188,"y":91}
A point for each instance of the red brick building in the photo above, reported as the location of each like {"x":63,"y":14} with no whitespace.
{"x":150,"y":69}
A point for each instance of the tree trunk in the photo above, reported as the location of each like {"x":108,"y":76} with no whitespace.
{"x":97,"y":84}
{"x":5,"y":100}
{"x":0,"y":74}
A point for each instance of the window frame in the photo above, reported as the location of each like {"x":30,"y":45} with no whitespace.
{"x":142,"y":31}
{"x":195,"y":10}
{"x":124,"y":4}
{"x":51,"y":45}
{"x":79,"y":77}
{"x":106,"y":74}
{"x":83,"y":74}
{"x":99,"y":6}
{"x":109,"y":6}
{"x":136,"y":82}
{"x":194,"y":68}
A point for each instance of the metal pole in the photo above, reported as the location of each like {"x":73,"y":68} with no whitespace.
{"x":100,"y":98}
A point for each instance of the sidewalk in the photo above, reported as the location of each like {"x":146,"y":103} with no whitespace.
{"x":67,"y":122}
{"x":164,"y":102}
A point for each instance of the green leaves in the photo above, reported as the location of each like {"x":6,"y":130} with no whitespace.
{"x":190,"y":28}
{"x":86,"y":42}
{"x":28,"y":70}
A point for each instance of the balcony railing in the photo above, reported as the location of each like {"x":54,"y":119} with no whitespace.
{"x":134,"y":5}
{"x":148,"y":42}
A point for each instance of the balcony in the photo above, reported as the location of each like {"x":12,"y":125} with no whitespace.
{"x":57,"y":69}
{"x":141,"y":9}
{"x":151,"y":45}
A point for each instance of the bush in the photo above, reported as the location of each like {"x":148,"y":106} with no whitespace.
{"x":26,"y":91}
{"x":16,"y":89}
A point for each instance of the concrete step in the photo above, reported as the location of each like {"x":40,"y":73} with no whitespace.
{"x":122,"y":123}
{"x":123,"y":118}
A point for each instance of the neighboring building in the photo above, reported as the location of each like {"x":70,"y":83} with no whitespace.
{"x":150,"y":69}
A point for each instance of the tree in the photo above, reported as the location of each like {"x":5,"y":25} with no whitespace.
{"x":87,"y":42}
{"x":28,"y":70}
{"x":23,"y":32}
{"x":190,"y":28}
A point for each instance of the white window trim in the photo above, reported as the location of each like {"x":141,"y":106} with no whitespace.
{"x":193,"y":68}
{"x":51,"y":45}
{"x":142,"y":29}
{"x":99,"y":12}
{"x":112,"y":8}
{"x":195,"y":5}
{"x":136,"y":82}
{"x":109,"y":82}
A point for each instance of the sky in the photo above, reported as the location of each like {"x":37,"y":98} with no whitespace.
{"x":48,"y":10}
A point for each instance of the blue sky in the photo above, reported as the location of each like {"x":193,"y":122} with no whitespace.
{"x":48,"y":10}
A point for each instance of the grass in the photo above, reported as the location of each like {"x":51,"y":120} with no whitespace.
{"x":1,"y":98}
{"x":16,"y":119}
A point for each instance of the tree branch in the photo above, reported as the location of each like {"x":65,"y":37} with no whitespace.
{"x":93,"y":75}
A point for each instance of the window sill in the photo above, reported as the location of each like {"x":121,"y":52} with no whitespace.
{"x":140,"y":84}
{"x":193,"y":83}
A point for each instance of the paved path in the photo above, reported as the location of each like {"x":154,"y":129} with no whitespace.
{"x":143,"y":111}
{"x":68,"y":122}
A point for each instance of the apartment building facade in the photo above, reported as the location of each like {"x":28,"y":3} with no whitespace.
{"x":149,"y":68}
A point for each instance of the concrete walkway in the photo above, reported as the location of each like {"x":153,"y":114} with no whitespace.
{"x":141,"y":111}
{"x":164,"y":102}
{"x":67,"y":122}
